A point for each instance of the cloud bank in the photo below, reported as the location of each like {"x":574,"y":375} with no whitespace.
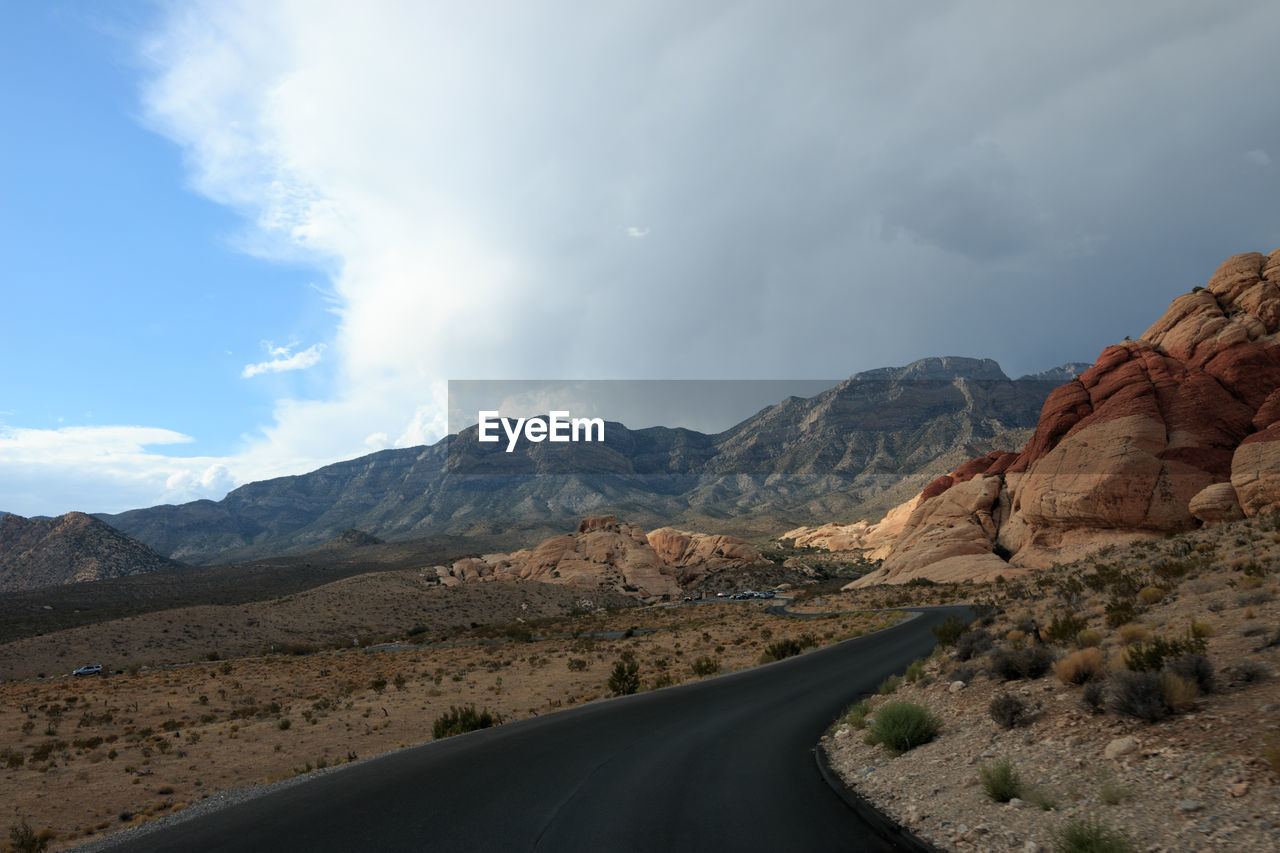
{"x":717,"y":190}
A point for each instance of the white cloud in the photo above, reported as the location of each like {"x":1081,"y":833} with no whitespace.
{"x":462,"y":176}
{"x":101,"y":469}
{"x":283,"y":358}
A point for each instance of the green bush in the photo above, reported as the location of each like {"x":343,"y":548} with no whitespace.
{"x":950,"y":631}
{"x":1150,"y":657}
{"x":1001,"y":782}
{"x":625,"y":678}
{"x":900,"y":726}
{"x":26,"y":840}
{"x":1064,"y":627}
{"x":1090,"y":835}
{"x":460,"y":720}
{"x":705,"y":666}
{"x":915,"y":671}
{"x":1139,"y":694}
{"x":857,"y":715}
{"x":1012,"y":664}
{"x":889,"y":685}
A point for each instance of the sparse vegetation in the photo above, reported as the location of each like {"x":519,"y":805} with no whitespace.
{"x":902,"y":726}
{"x":950,"y":631}
{"x":1007,"y":710}
{"x":1090,"y":835}
{"x":1000,"y":780}
{"x":461,"y":720}
{"x":1079,"y":667}
{"x":625,"y":678}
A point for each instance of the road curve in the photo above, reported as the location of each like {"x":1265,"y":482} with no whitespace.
{"x":722,"y":764}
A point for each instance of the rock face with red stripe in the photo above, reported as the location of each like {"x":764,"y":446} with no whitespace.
{"x":1176,"y":429}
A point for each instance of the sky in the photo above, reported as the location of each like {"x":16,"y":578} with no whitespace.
{"x":242,"y":240}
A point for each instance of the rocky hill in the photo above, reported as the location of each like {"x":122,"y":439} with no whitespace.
{"x":1176,"y":429}
{"x":609,"y":555}
{"x":857,"y":449}
{"x":44,"y":552}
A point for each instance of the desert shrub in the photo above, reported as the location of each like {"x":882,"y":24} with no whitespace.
{"x":1001,"y":782}
{"x":962,"y":673}
{"x":950,"y":631}
{"x":972,"y":643}
{"x":1179,"y":693}
{"x":1088,"y":638}
{"x":12,"y":758}
{"x":1151,"y":594}
{"x":460,"y":720}
{"x":1200,"y":630}
{"x":1248,"y":671}
{"x":1112,"y":792}
{"x":24,"y":839}
{"x":1015,"y":637}
{"x":1090,"y":835}
{"x":625,"y":678}
{"x":857,"y":715}
{"x":705,"y":666}
{"x":1119,"y":611}
{"x":577,"y":664}
{"x":1010,"y":664}
{"x":1064,"y":627}
{"x":1132,"y":632}
{"x":1150,"y":657}
{"x":780,"y":649}
{"x":1007,"y":710}
{"x":914,"y":671}
{"x":1271,"y":752}
{"x":1194,"y":668}
{"x":900,"y":726}
{"x":284,"y":724}
{"x":1139,"y":694}
{"x":1095,"y":695}
{"x":889,"y":685}
{"x":44,"y":750}
{"x":1079,"y":667}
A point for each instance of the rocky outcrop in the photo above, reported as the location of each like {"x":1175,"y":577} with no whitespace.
{"x":1178,"y":428}
{"x":41,"y":552}
{"x":607,"y":554}
{"x":874,"y":540}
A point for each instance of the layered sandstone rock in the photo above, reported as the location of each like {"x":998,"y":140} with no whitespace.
{"x":1176,"y":429}
{"x":609,"y":554}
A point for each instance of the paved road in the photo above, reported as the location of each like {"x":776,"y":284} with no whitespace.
{"x":723,"y":764}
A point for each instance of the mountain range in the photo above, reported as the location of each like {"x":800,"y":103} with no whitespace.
{"x":854,"y":450}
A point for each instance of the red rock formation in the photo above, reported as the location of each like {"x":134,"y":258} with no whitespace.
{"x":608,"y":554}
{"x":1164,"y":433}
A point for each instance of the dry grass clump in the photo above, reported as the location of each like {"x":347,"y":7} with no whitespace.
{"x":1079,"y":667}
{"x":1133,"y":633}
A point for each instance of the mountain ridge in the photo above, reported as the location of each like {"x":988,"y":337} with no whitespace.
{"x":860,"y":446}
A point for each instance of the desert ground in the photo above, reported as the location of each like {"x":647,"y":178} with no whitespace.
{"x":81,"y":758}
{"x":1203,"y":776}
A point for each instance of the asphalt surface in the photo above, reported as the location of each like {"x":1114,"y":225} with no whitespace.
{"x":722,"y":764}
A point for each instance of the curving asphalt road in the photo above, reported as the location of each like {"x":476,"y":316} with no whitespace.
{"x":722,"y":764}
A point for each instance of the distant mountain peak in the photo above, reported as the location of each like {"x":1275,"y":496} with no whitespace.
{"x":937,"y":369}
{"x":38,"y":552}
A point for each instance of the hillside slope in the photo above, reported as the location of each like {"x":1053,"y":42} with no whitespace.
{"x":43,"y":552}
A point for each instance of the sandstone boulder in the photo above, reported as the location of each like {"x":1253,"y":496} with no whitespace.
{"x":1216,"y":504}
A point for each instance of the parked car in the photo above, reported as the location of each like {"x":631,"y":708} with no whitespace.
{"x":90,"y":669}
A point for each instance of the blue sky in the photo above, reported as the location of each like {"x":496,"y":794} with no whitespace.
{"x":128,"y":302}
{"x":246,"y":239}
